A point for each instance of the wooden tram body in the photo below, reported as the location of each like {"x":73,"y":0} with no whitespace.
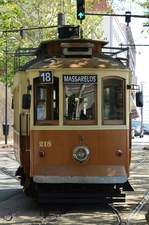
{"x":72,"y":117}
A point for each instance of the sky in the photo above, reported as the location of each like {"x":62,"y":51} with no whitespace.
{"x":142,"y":59}
{"x":136,"y":25}
{"x":142,"y":53}
{"x":140,"y":38}
{"x":142,"y":70}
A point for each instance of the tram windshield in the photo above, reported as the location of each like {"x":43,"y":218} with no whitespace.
{"x":113,"y":101}
{"x":79,"y":103}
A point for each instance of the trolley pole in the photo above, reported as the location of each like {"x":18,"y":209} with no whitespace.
{"x":6,"y":93}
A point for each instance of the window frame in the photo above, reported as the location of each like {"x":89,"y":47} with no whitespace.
{"x":79,"y":122}
{"x":114,"y":121}
{"x":36,"y":84}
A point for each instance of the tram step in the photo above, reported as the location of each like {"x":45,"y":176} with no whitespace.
{"x":79,"y":198}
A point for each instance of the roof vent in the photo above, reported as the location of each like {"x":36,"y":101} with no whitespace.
{"x":77,"y":49}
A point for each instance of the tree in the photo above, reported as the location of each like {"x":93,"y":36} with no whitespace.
{"x":8,"y":18}
{"x":23,"y":13}
{"x":145,"y":5}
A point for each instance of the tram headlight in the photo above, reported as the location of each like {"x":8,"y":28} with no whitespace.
{"x":81,"y":153}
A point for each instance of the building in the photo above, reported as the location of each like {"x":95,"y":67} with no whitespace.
{"x":119,"y":34}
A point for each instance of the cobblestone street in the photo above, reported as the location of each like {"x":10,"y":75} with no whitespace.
{"x":16,"y":208}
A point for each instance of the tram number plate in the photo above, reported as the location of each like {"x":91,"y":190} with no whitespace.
{"x":46,"y":77}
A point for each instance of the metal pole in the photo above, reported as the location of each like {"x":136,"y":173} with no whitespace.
{"x":111,"y":31}
{"x":141,"y":135}
{"x":61,"y":19}
{"x":127,"y":42}
{"x":112,"y":14}
{"x":6,"y":91}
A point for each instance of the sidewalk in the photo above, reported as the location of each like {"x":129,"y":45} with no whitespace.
{"x":8,"y":166}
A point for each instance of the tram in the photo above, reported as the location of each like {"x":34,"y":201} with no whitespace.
{"x":72,"y":115}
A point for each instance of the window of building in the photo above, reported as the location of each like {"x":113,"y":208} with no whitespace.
{"x":46,"y":102}
{"x":80,"y":103}
{"x":113,"y":102}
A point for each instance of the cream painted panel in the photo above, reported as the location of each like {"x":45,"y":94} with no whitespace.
{"x":100,"y":73}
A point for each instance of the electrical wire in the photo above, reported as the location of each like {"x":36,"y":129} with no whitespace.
{"x":117,"y":213}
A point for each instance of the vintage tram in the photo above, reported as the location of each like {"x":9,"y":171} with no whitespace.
{"x":72,"y":120}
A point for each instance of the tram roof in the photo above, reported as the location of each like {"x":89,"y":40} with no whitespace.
{"x":94,"y":62}
{"x":51,"y":54}
{"x":58,"y":42}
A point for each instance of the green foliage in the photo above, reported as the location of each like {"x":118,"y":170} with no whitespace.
{"x":145,"y":5}
{"x":15,"y":14}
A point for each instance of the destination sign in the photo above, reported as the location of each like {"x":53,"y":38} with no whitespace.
{"x":46,"y":77}
{"x":79,"y":79}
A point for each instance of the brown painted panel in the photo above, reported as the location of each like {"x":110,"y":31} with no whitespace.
{"x":22,"y":153}
{"x":25,"y":154}
{"x":56,"y":147}
{"x":83,"y":170}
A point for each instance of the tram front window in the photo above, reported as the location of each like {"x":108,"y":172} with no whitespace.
{"x":80,"y":103}
{"x":113,"y":101}
{"x":46,"y":102}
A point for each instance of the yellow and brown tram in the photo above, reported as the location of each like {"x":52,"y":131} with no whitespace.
{"x":72,"y":118}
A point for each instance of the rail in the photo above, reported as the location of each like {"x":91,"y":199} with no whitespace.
{"x":22,"y":56}
{"x":119,"y":53}
{"x":27,"y":56}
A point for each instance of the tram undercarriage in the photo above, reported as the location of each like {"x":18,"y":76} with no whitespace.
{"x":73,"y":193}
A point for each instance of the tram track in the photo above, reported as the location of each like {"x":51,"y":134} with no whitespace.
{"x":134,"y":213}
{"x":117,"y":213}
{"x":7,"y":172}
{"x":138,"y":208}
{"x":139,"y":163}
{"x":142,"y":164}
{"x":53,"y":217}
{"x":8,"y":156}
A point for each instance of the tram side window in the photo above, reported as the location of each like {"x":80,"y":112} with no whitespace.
{"x":113,"y":101}
{"x":46,"y":102}
{"x":80,"y":103}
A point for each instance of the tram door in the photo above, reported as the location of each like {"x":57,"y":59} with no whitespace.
{"x":24,"y":131}
{"x":25,"y":141}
